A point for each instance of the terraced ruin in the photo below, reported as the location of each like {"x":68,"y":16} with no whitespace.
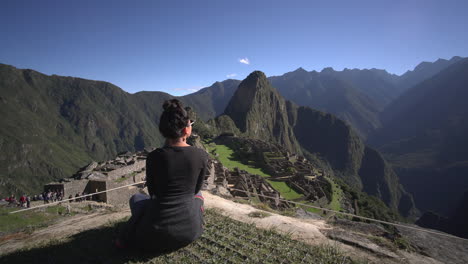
{"x":257,"y":167}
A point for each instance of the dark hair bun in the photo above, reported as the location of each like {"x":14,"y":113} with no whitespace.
{"x":173,"y":119}
{"x":172,"y":105}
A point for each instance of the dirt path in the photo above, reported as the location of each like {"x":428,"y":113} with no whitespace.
{"x":304,"y":230}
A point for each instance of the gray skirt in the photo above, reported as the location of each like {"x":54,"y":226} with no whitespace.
{"x":164,"y":226}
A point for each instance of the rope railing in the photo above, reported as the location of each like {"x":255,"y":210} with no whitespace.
{"x":265,"y":196}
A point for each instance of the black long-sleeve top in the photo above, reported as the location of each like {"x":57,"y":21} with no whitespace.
{"x":173,"y":176}
{"x":175,"y":172}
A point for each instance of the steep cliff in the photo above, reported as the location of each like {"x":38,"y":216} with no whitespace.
{"x":260,"y":112}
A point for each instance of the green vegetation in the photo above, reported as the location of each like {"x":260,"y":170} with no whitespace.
{"x":313,"y":210}
{"x":401,"y":243}
{"x":286,"y":192}
{"x":395,"y":243}
{"x":291,"y":170}
{"x":224,"y":240}
{"x":29,"y":219}
{"x":226,"y":156}
{"x":368,"y":205}
{"x":337,"y":195}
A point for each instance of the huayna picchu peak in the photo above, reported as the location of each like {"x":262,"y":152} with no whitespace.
{"x":259,"y":111}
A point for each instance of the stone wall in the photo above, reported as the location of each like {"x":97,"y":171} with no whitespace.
{"x":117,"y":173}
{"x":122,"y":196}
{"x":126,"y":168}
{"x":73,"y":187}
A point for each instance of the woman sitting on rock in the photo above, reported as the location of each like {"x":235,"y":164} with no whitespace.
{"x":171,"y":216}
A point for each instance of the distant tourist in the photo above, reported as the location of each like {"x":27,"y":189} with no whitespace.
{"x":12,"y":200}
{"x":23,"y":200}
{"x":84,"y":198}
{"x":77,"y":197}
{"x":172,"y":216}
{"x":48,"y":196}
{"x":70,"y":198}
{"x":28,"y":201}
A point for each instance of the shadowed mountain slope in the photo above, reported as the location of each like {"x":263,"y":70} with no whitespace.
{"x":330,"y":138}
{"x":426,"y":138}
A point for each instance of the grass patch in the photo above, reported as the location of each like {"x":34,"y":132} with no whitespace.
{"x":56,"y":210}
{"x":286,"y":192}
{"x":226,"y":157}
{"x":313,"y":210}
{"x":28,"y":220}
{"x":224,"y":240}
{"x":337,"y":196}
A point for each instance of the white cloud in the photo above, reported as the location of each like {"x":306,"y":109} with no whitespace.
{"x":244,"y":61}
{"x":184,"y":91}
{"x":231,"y":75}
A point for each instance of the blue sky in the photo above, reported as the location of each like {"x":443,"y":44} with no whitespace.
{"x":179,"y":46}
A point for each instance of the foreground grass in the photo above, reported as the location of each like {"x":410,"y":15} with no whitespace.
{"x":224,"y":241}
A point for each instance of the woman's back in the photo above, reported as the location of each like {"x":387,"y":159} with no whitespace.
{"x":175,"y":174}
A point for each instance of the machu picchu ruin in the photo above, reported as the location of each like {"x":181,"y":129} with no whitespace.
{"x":127,"y":168}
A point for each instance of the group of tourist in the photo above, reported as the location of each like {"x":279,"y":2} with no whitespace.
{"x":79,"y":198}
{"x":52,"y":196}
{"x":24,"y":201}
{"x":48,"y":196}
